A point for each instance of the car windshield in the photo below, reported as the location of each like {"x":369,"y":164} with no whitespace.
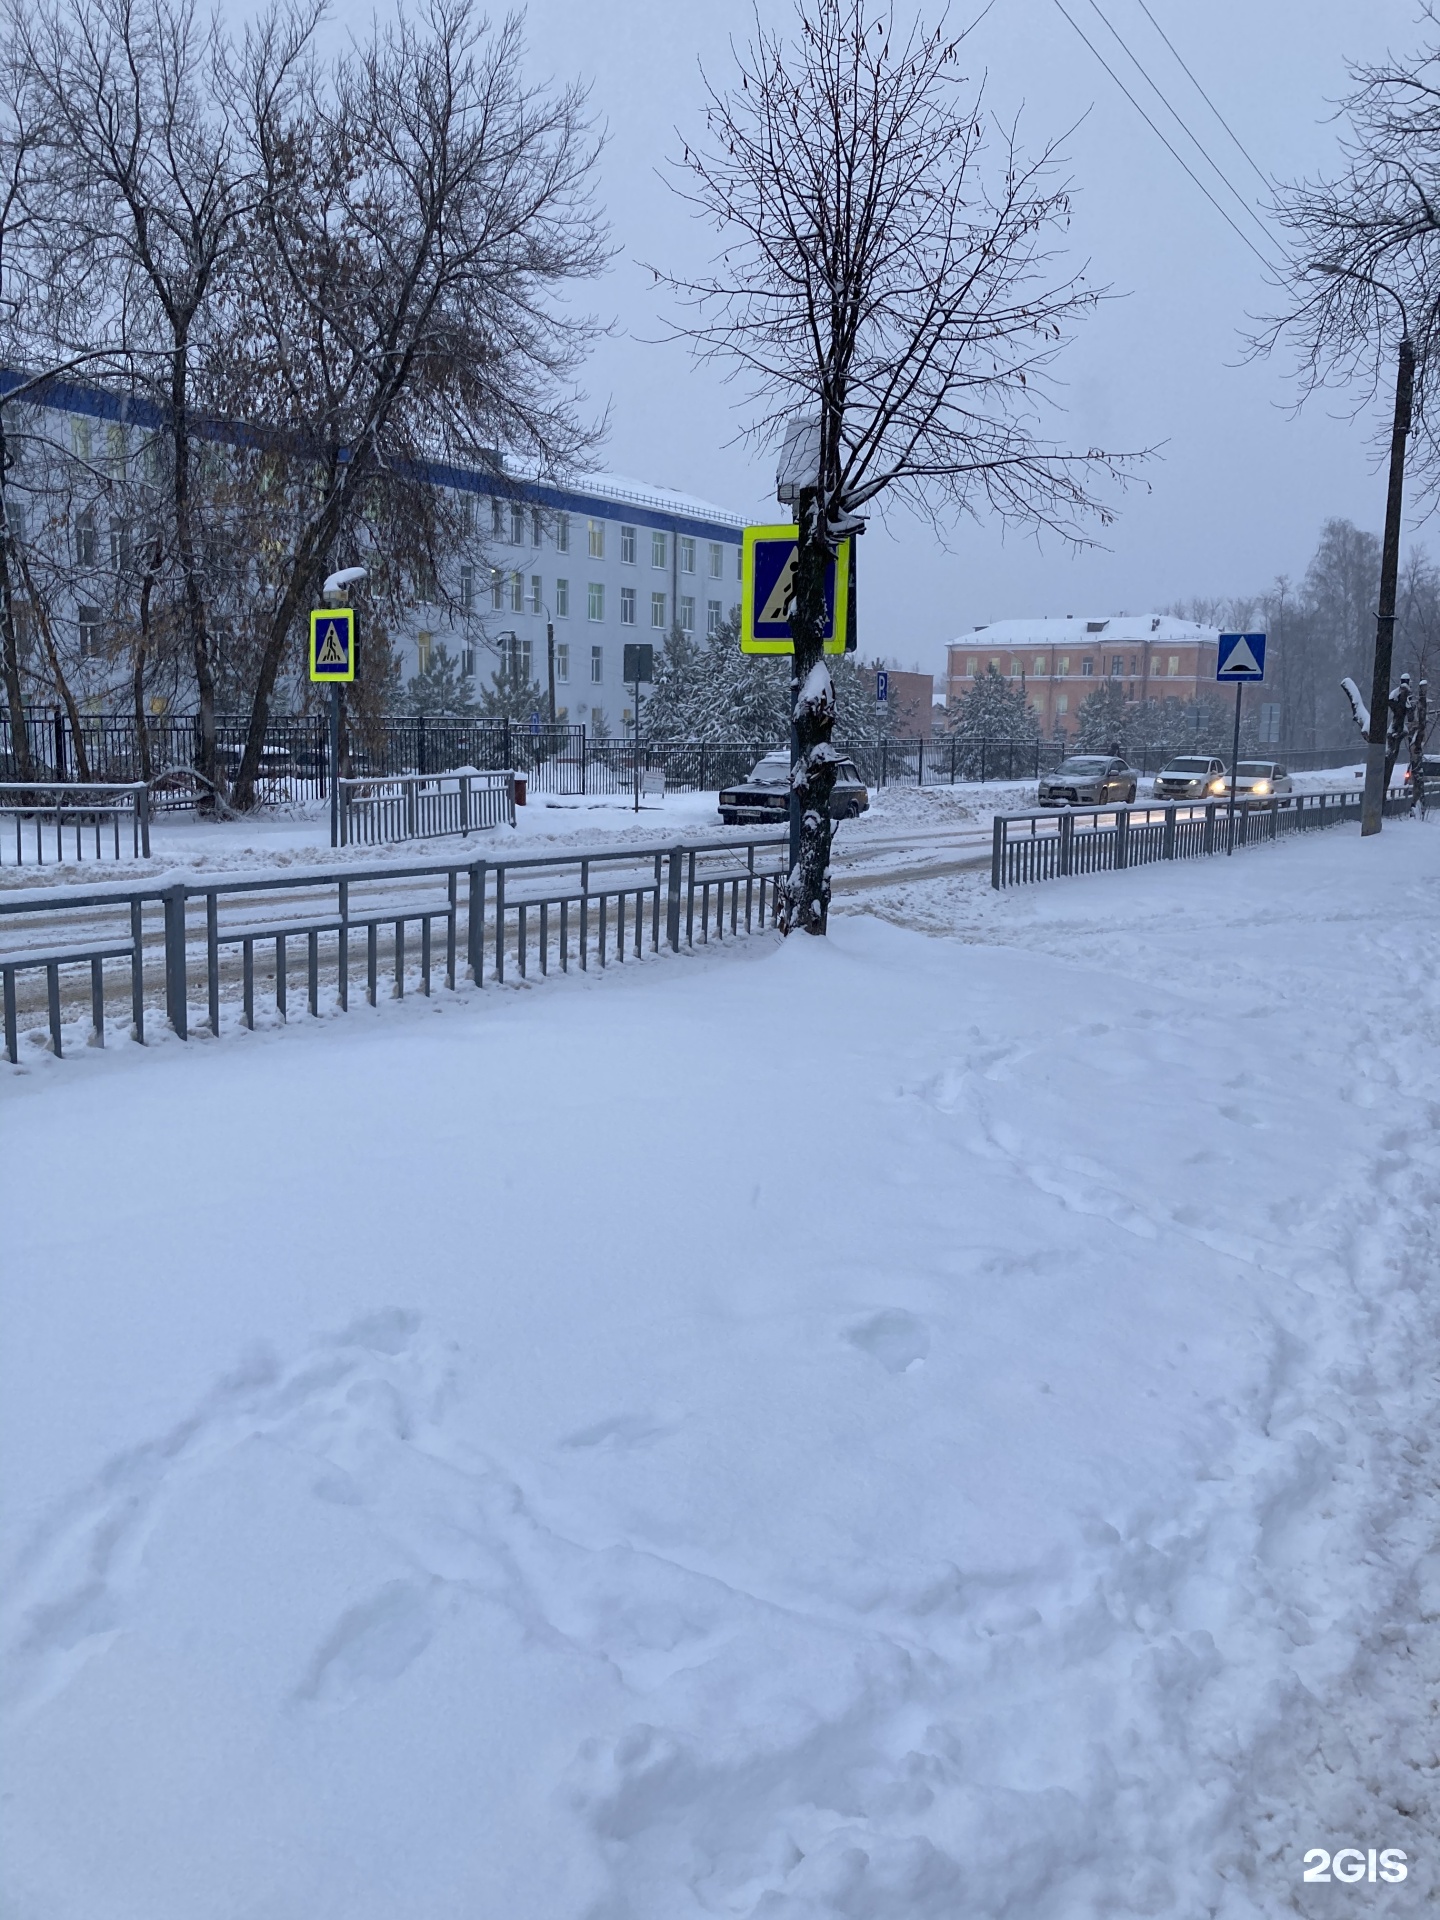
{"x":1255,"y":770}
{"x":772,"y":771}
{"x":1081,"y":765}
{"x":1188,"y":766}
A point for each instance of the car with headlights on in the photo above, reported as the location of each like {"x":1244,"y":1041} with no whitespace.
{"x":1259,"y":779}
{"x":1088,"y":780}
{"x":1193,"y":776}
{"x":764,"y":799}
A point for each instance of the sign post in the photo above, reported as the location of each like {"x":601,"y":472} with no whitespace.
{"x":1240,"y":657}
{"x":332,"y":661}
{"x":639,"y":665}
{"x":882,"y":688}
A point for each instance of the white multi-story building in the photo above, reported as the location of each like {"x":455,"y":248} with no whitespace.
{"x":601,"y":561}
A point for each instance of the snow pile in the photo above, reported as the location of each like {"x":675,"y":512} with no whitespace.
{"x":466,"y":1474}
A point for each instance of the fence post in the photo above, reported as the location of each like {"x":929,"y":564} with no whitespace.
{"x":500,"y":925}
{"x":1209,"y":826}
{"x":475,"y":927}
{"x":884,"y":760}
{"x":408,"y":788}
{"x":672,"y":899}
{"x":464,"y":803}
{"x":997,"y":852}
{"x":1067,"y":842}
{"x":1168,"y":848}
{"x":921,"y":781}
{"x":1122,"y":838}
{"x":142,"y":807}
{"x":422,"y":758}
{"x":175,"y":1003}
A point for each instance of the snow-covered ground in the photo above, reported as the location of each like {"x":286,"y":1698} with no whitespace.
{"x":456,"y":1463}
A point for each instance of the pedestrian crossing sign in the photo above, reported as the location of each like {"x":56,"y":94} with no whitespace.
{"x":332,"y":643}
{"x":767,"y":576}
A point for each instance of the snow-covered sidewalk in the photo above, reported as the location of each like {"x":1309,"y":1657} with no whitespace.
{"x":456,"y":1465}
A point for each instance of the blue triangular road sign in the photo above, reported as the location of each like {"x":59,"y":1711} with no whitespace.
{"x":1241,"y":656}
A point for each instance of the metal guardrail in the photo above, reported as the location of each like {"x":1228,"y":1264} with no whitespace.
{"x":90,"y":812}
{"x":1051,"y":844}
{"x":423,"y":806}
{"x":484,"y":917}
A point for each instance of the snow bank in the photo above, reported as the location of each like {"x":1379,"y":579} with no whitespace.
{"x":454,"y":1467}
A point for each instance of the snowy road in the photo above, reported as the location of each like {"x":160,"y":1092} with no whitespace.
{"x":450,"y":1470}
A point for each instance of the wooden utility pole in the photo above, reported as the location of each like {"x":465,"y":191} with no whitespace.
{"x":1373,"y":808}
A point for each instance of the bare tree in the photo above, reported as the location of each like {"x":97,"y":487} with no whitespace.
{"x":1362,"y":294}
{"x":888,"y":267}
{"x":423,"y":208}
{"x":147,"y":196}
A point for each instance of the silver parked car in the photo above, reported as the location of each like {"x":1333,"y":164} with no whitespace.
{"x":1194,"y":776}
{"x":765,"y":797}
{"x":1258,"y":779}
{"x":1088,"y":780}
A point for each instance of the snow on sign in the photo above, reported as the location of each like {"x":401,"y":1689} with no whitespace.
{"x":1241,"y":657}
{"x":332,"y":643}
{"x":767,"y":592}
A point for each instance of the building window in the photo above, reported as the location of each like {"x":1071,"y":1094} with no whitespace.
{"x":562,"y":533}
{"x":87,"y":541}
{"x":740,"y":563}
{"x":971,"y":663}
{"x":597,"y":539}
{"x":687,"y":614}
{"x":712,"y":618}
{"x":517,"y":593}
{"x":1062,"y":704}
{"x":497,"y":589}
{"x":467,"y":588}
{"x":659,"y":549}
{"x":687,"y":554}
{"x":1039,"y":663}
{"x":497,"y":517}
{"x":597,"y":665}
{"x":536,"y":526}
{"x":1172,"y":665}
{"x":467,"y":513}
{"x":596,"y":594}
{"x":562,"y":661}
{"x":1096,"y":626}
{"x":1087,"y":667}
{"x":562,"y":599}
{"x":1016,"y":670}
{"x":515,"y":653}
{"x":657,"y":609}
{"x":1134,"y":663}
{"x":1062,"y":665}
{"x":422,"y":652}
{"x":467,"y":662}
{"x":89,"y":619}
{"x":537,"y":594}
{"x":627,"y":545}
{"x":995,"y":664}
{"x":717,"y":559}
{"x":1117,"y":664}
{"x":517,"y":524}
{"x":122,"y":548}
{"x":115,"y":451}
{"x":627,"y":606}
{"x":80,"y":438}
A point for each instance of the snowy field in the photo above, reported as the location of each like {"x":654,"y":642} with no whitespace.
{"x":456,"y":1467}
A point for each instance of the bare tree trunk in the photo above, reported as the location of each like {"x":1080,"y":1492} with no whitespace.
{"x":1376,"y":766}
{"x":9,"y":645}
{"x":189,"y":569}
{"x":806,"y":901}
{"x":142,"y":649}
{"x":57,"y":672}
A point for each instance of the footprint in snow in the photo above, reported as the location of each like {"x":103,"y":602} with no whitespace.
{"x":895,"y":1338}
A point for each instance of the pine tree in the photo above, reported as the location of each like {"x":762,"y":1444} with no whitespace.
{"x":995,"y":708}
{"x":440,"y":688}
{"x":512,"y":695}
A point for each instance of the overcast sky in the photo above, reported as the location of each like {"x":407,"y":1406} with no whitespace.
{"x":1241,"y":487}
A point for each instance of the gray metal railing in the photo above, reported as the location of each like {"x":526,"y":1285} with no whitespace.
{"x":359,"y":925}
{"x":90,"y":817}
{"x":423,"y":806}
{"x":1051,"y":844}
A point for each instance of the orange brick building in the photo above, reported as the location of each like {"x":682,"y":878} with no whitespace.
{"x":1059,"y":661}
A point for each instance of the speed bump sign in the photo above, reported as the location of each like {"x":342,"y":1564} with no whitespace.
{"x":332,"y":643}
{"x":767,"y":592}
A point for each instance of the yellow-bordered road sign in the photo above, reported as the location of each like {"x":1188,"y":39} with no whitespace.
{"x":332,"y":643}
{"x":767,"y":574}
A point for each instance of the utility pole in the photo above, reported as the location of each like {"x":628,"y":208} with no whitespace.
{"x":550,"y":660}
{"x":1373,"y":808}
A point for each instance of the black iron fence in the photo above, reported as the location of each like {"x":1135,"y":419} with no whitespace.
{"x":560,"y":760}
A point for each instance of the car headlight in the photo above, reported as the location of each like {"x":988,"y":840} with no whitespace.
{"x":1217,"y":786}
{"x":1261,"y":786}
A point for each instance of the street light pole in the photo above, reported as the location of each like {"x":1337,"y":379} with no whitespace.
{"x":550,"y":660}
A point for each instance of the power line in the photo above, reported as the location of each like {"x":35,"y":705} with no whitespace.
{"x":1185,"y":166}
{"x":1179,"y":119}
{"x":1244,"y":150}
